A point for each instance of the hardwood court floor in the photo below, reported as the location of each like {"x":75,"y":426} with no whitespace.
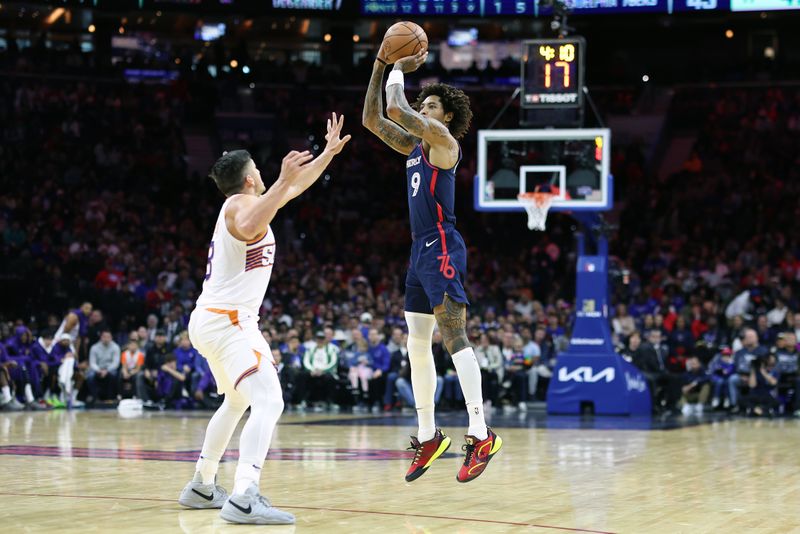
{"x":97,"y":472}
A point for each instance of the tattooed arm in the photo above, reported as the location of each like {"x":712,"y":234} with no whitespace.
{"x":451,"y":317}
{"x":375,"y":122}
{"x":443,"y":146}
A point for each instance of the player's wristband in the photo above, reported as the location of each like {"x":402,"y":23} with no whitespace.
{"x":382,"y":61}
{"x":396,"y":77}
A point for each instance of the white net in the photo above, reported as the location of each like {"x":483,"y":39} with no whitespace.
{"x":537,"y":205}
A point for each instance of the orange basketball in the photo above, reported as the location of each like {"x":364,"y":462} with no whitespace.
{"x":402,"y":40}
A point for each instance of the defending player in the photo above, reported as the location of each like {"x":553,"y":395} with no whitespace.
{"x":224,"y":326}
{"x":435,"y":281}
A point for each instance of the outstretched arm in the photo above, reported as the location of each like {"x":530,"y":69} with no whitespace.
{"x":248,"y":216}
{"x":373,"y":119}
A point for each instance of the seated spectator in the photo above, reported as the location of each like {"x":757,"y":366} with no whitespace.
{"x":155,"y":356}
{"x":721,"y":369}
{"x":788,"y":364}
{"x":763,"y":379}
{"x":490,"y":360}
{"x":42,"y":349}
{"x":750,"y":351}
{"x":186,"y":356}
{"x":131,"y":363}
{"x":204,"y":390}
{"x":360,"y":370}
{"x":381,"y":361}
{"x":623,"y":324}
{"x":8,"y":397}
{"x":696,"y":387}
{"x":516,"y":372}
{"x":172,"y":384}
{"x":398,"y":350}
{"x":321,"y":362}
{"x":27,"y":372}
{"x":104,"y":360}
{"x":543,"y":361}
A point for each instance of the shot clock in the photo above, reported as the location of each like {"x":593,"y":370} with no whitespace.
{"x":552,"y":73}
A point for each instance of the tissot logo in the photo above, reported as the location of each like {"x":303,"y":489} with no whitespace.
{"x":586,"y":374}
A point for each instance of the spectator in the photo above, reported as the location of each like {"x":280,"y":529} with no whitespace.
{"x":696,"y":387}
{"x":321,"y":363}
{"x":762,"y":381}
{"x":721,"y":369}
{"x":788,"y":362}
{"x":381,"y":362}
{"x":490,"y":360}
{"x":131,"y":364}
{"x":155,"y":356}
{"x":172,"y":384}
{"x":360,"y":370}
{"x":623,"y":324}
{"x":398,"y":358}
{"x":205,"y":389}
{"x":186,"y":357}
{"x":104,"y":360}
{"x":742,"y":359}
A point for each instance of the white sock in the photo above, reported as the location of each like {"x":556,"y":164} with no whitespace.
{"x":423,"y":382}
{"x":262,"y":391}
{"x":74,"y":395}
{"x":246,"y":476}
{"x":28,"y":394}
{"x":469,"y":376}
{"x":218,"y":434}
{"x":5,"y":395}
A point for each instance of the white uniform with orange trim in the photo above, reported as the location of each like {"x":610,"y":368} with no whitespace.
{"x":224,"y":325}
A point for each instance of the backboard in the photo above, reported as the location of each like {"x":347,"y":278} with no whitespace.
{"x":573,"y":163}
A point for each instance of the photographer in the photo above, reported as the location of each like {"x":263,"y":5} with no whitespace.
{"x":762,"y":382}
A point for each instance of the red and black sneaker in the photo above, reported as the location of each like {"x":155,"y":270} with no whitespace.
{"x":427,"y":452}
{"x":478,"y":454}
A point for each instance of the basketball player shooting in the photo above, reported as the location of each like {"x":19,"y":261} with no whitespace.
{"x":435,"y":295}
{"x":224,"y":326}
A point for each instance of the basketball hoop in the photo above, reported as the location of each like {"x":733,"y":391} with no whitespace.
{"x":537,"y":205}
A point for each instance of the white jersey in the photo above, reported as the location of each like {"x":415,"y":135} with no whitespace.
{"x":237,"y":272}
{"x":73,"y":334}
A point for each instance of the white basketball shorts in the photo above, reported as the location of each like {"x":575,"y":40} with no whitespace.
{"x":231,"y":342}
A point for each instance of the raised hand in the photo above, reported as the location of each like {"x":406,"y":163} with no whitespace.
{"x":335,"y":143}
{"x":411,"y":63}
{"x":292,"y":165}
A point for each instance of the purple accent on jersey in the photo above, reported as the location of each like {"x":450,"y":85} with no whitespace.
{"x":83,"y":323}
{"x":431,"y":192}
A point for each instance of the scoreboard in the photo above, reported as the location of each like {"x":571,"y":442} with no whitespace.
{"x":514,"y":8}
{"x":552,"y":73}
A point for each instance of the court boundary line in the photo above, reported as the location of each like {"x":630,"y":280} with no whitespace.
{"x":321,"y":508}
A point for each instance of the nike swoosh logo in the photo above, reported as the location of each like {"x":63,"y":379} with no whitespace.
{"x":243,"y":510}
{"x":432,"y":242}
{"x":203,"y":495}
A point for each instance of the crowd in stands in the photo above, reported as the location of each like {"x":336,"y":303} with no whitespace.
{"x":97,"y":205}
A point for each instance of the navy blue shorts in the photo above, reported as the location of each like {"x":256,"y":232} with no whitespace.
{"x":438,"y":266}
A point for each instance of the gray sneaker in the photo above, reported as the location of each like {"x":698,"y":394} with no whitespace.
{"x":198,"y":495}
{"x":253,"y":509}
{"x":13,"y":405}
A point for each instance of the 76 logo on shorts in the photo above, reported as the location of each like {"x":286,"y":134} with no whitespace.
{"x":445,"y":268}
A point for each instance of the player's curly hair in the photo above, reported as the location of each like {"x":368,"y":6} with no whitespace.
{"x":453,"y":100}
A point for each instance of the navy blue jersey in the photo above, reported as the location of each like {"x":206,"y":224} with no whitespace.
{"x":431,"y":193}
